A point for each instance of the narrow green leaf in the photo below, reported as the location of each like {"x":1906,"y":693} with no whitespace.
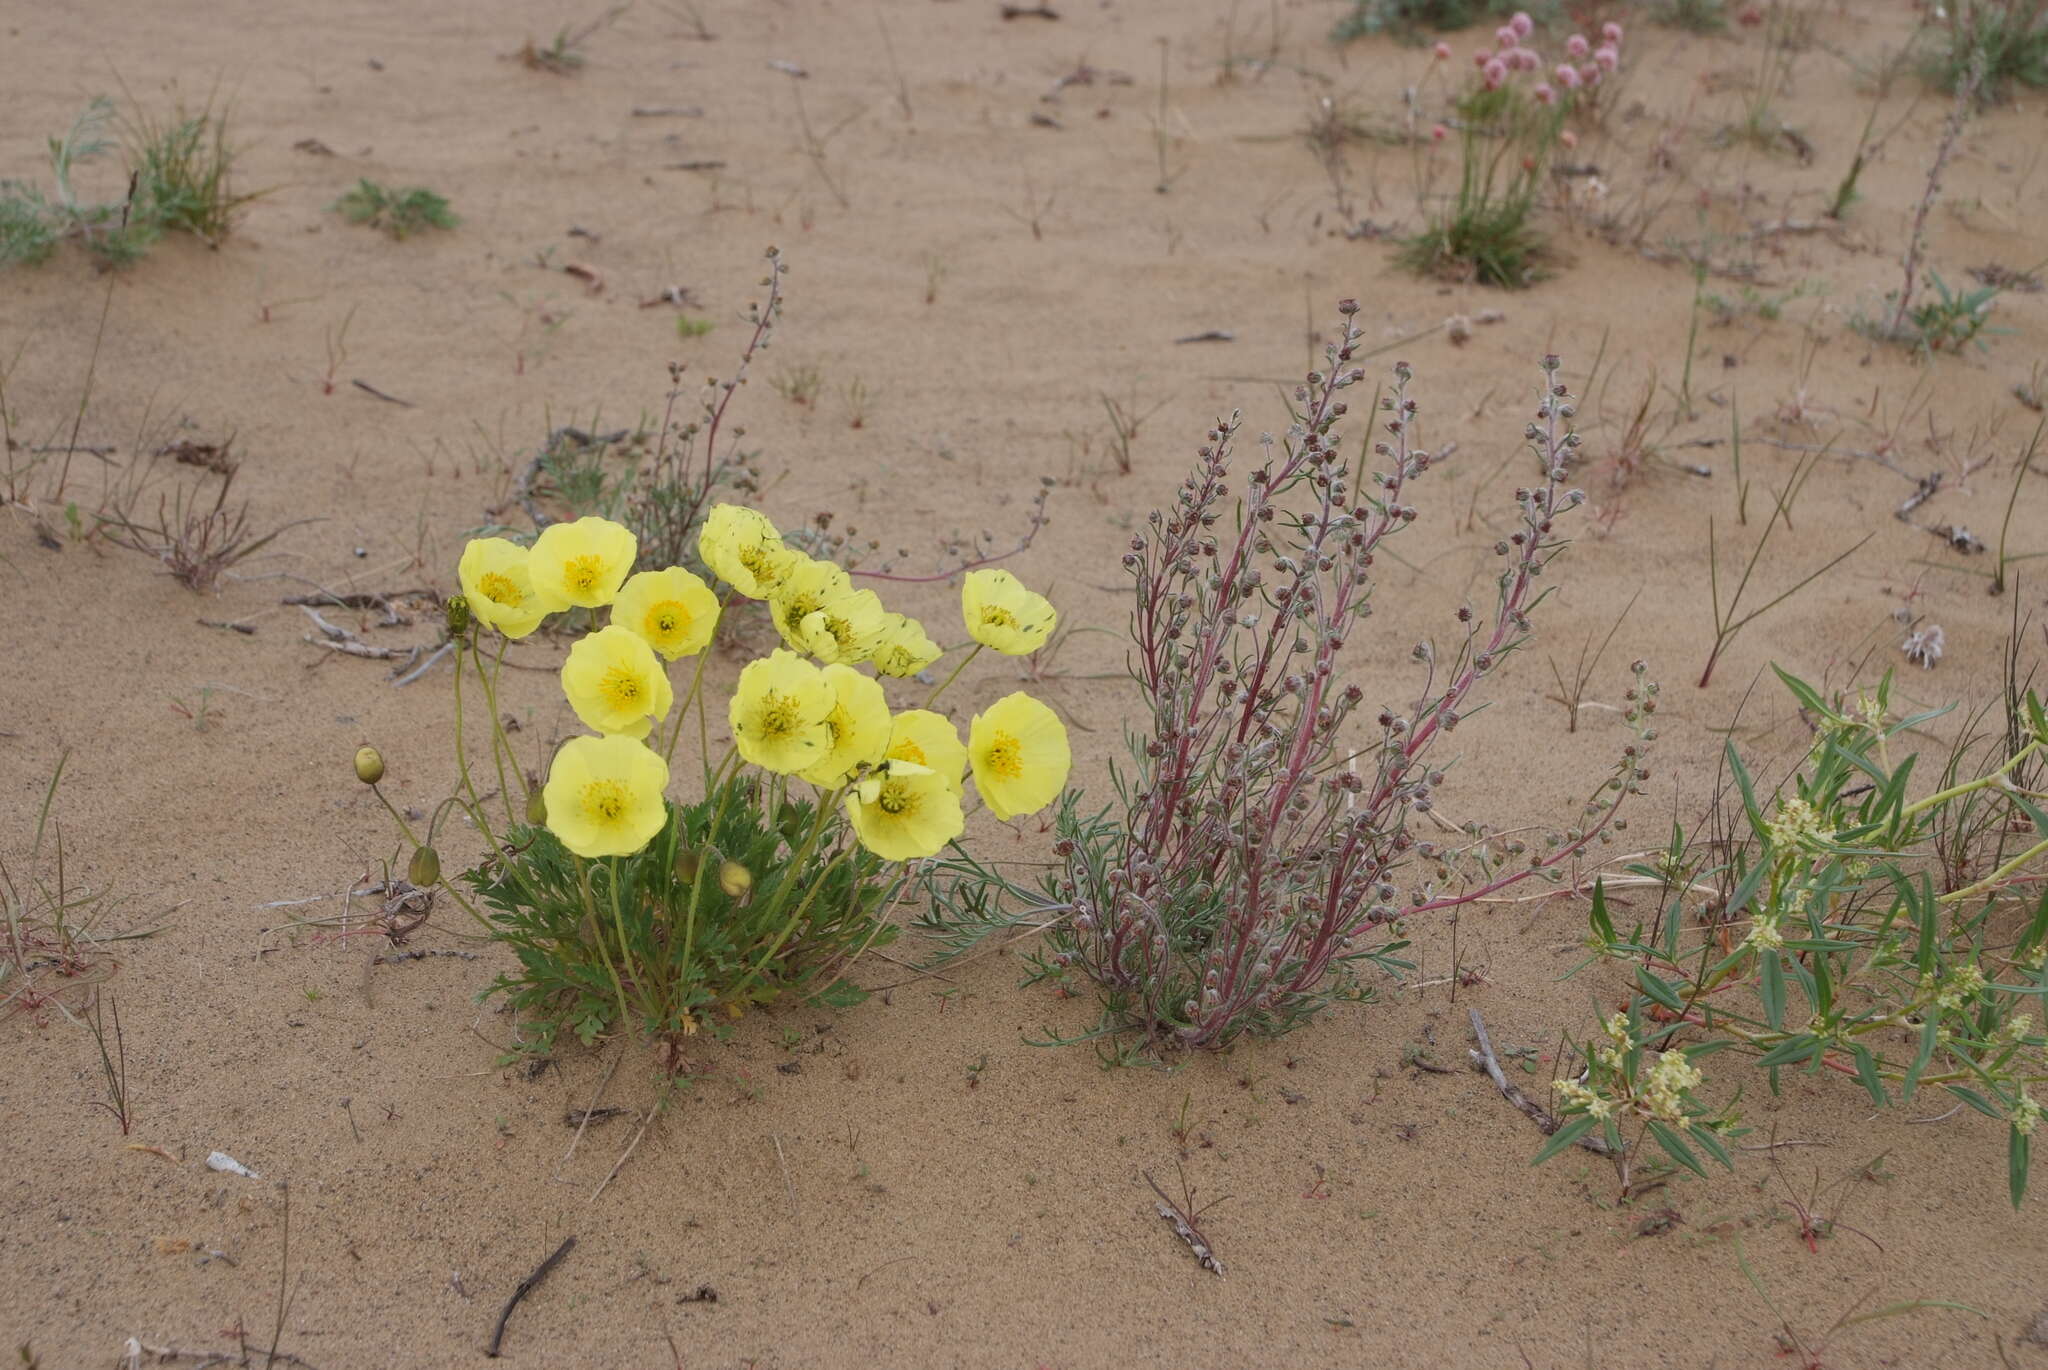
{"x":1893,"y":1310}
{"x":1602,"y":924}
{"x":1921,"y":1057}
{"x":2017,"y":1160}
{"x":1773,"y":990}
{"x":1975,"y":1100}
{"x":1808,"y":696}
{"x":1791,"y":1051}
{"x":1746,"y":890}
{"x":1564,"y":1137}
{"x":1710,"y":1143}
{"x":1657,"y":989}
{"x":1866,"y":1071}
{"x":1675,"y":1147}
{"x":841,"y":994}
{"x":1743,"y":783}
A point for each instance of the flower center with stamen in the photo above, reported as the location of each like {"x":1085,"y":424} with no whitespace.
{"x":604,"y":801}
{"x":778,"y":715}
{"x":1006,"y":756}
{"x":908,"y":750}
{"x":995,"y":616}
{"x":897,"y":799}
{"x":500,"y":589}
{"x":621,"y":688}
{"x":801,"y":607}
{"x":580,"y":575}
{"x":668,"y":620}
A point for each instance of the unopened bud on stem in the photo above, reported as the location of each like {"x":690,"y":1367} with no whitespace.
{"x":369,"y":765}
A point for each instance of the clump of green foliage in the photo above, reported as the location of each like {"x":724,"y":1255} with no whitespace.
{"x":180,"y":181}
{"x":682,"y":935}
{"x":2009,"y":36}
{"x":183,"y":168}
{"x":1411,"y":20}
{"x":401,"y":212}
{"x":1505,"y":140}
{"x":1950,"y":321}
{"x":1953,"y":318}
{"x":1845,"y":930}
{"x":1694,"y":16}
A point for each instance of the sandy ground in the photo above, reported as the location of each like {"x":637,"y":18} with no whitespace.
{"x":913,"y":1184}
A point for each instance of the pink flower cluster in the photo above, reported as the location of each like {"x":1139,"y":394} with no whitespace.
{"x":1510,"y":54}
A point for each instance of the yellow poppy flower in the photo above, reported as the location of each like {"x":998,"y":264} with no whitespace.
{"x":846,"y":629}
{"x":673,"y":610}
{"x":809,"y":587}
{"x":1002,"y":614}
{"x":603,"y":795}
{"x":778,"y":713}
{"x":1019,"y":753}
{"x":858,"y":723}
{"x":904,"y":812}
{"x":581,"y":563}
{"x":615,"y":684}
{"x":743,"y":549}
{"x":924,"y":738}
{"x":497,"y":581}
{"x":904,"y":649}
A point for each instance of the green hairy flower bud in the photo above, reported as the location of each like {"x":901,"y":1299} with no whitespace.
{"x":369,"y":765}
{"x":426,"y":867}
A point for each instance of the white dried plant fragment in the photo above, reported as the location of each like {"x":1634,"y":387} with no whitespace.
{"x":1924,"y":646}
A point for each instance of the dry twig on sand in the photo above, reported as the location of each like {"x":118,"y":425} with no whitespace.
{"x":1184,"y":1216}
{"x":527,"y":1286}
{"x":1483,"y":1059}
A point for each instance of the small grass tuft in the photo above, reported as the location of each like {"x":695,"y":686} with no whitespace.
{"x":184,"y":169}
{"x":2011,"y":38}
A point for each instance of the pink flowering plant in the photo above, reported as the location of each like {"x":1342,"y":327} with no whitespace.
{"x":1510,"y":117}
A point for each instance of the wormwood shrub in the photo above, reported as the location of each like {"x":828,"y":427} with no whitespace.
{"x":631,"y":912}
{"x":1261,"y":841}
{"x":2005,"y":41}
{"x":401,"y":212}
{"x":1847,"y":931}
{"x":181,"y":180}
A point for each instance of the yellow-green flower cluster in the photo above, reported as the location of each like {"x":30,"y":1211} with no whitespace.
{"x":1763,"y":932}
{"x":1576,"y":1095}
{"x":1796,"y":823}
{"x":1616,"y":1028}
{"x":2026,"y":1115}
{"x":1664,"y":1091}
{"x":1959,"y":987}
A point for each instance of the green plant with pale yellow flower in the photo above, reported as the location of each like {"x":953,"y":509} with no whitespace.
{"x":1843,"y":929}
{"x":631,"y":910}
